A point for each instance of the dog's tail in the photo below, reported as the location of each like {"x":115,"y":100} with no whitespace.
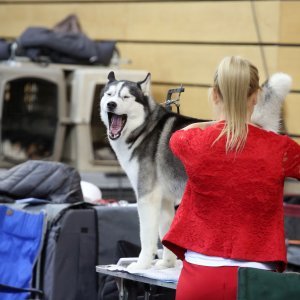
{"x":267,"y":112}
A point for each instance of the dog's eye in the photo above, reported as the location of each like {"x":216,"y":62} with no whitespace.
{"x":108,"y":94}
{"x":125,"y":97}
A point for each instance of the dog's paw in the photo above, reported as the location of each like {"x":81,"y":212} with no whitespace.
{"x":138,"y":266}
{"x":164,"y":264}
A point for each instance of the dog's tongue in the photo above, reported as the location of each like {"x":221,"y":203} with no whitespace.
{"x":116,"y":124}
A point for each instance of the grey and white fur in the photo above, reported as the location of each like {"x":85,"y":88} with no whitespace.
{"x":139,"y":130}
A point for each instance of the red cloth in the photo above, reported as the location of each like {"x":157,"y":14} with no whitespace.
{"x":207,"y":283}
{"x":232,"y":204}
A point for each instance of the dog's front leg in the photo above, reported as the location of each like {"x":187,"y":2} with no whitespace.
{"x":149,"y":212}
{"x":166,"y":217}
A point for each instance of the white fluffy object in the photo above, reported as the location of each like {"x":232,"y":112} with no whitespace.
{"x":274,"y":90}
{"x":91,"y":193}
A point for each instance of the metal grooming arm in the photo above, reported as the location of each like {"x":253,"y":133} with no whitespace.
{"x":169,"y":101}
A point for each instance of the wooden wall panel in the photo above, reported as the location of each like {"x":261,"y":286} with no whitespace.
{"x":194,"y":64}
{"x":155,"y":21}
{"x":297,"y":140}
{"x":193,"y":101}
{"x":289,"y":22}
{"x":292,"y":114}
{"x":289,"y":62}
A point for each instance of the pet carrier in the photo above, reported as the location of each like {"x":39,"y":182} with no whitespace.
{"x":32,"y":109}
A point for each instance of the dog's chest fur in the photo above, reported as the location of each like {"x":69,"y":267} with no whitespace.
{"x":128,"y":163}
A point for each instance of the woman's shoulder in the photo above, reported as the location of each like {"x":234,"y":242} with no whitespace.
{"x":199,"y":125}
{"x":260,"y":130}
{"x":267,"y":136}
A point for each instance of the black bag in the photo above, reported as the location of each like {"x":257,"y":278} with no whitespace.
{"x":292,"y":231}
{"x":4,"y":50}
{"x":46,"y":45}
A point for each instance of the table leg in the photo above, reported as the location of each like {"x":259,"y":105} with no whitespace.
{"x":147,"y":293}
{"x":119,"y":282}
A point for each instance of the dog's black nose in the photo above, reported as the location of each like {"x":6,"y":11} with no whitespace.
{"x":111,"y":105}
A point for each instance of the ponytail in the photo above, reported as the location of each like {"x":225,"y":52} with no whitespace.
{"x":235,"y":80}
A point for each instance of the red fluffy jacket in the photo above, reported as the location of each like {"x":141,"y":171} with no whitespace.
{"x":232,"y":205}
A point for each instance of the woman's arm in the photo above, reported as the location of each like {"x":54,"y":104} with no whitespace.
{"x":291,"y":159}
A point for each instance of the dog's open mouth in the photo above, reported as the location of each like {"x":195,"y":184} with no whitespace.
{"x":116,"y":125}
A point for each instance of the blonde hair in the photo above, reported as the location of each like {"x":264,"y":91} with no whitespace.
{"x":236,"y":79}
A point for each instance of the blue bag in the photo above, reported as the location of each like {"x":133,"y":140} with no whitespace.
{"x":21,"y":235}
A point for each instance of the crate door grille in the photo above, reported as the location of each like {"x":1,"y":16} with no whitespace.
{"x":29,"y":119}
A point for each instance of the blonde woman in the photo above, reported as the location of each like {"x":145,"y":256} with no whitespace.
{"x":231,"y":214}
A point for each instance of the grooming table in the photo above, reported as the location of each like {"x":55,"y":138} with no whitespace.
{"x":127,"y":282}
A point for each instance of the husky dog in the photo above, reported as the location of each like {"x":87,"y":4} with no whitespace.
{"x":139,"y":131}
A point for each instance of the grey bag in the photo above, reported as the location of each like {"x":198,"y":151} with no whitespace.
{"x":71,"y":255}
{"x":115,"y":223}
{"x":53,"y":181}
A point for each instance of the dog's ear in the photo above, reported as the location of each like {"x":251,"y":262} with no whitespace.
{"x":145,"y":85}
{"x":111,"y":77}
